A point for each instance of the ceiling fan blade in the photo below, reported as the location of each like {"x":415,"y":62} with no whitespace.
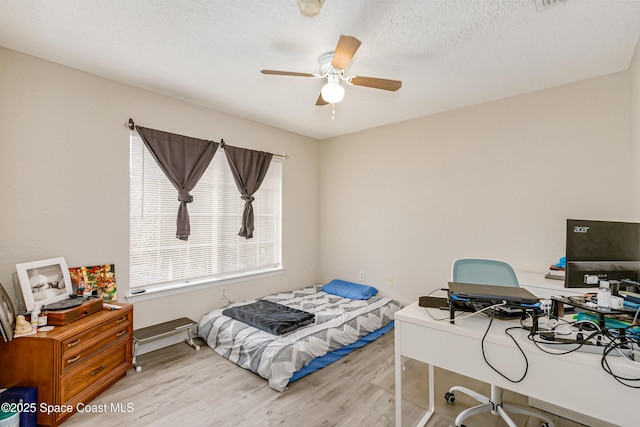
{"x":286,"y":73}
{"x":384,"y":84}
{"x":321,"y":101}
{"x":346,"y":48}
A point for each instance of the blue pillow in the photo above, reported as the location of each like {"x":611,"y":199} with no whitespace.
{"x":349,"y":290}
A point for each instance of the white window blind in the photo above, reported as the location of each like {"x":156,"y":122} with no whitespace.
{"x":214,"y":249}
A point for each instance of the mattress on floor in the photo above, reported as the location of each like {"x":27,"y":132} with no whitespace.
{"x":339,"y":323}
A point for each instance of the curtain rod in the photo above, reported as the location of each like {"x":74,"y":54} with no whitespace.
{"x":131,"y":125}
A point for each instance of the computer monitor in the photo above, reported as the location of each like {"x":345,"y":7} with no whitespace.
{"x":601,"y":250}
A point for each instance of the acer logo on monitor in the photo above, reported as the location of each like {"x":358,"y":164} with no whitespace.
{"x":580,"y":229}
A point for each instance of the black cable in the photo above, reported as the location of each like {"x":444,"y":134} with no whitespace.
{"x":431,"y":315}
{"x":615,"y":344}
{"x":553,"y":330}
{"x":578,"y":343}
{"x":526,"y":361}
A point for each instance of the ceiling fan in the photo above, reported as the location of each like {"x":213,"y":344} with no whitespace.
{"x":332,"y":68}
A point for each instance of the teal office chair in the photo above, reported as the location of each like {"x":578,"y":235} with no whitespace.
{"x":488,"y":272}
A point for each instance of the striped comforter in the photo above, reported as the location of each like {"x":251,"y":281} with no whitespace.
{"x":338,"y":322}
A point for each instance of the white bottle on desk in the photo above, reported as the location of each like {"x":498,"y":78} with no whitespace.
{"x":604,"y":294}
{"x":34,"y":318}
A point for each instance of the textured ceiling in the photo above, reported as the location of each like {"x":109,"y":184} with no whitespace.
{"x":448,"y":54}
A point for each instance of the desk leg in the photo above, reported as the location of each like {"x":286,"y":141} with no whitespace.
{"x":398,"y":372}
{"x":398,"y":385}
{"x":432,"y":405}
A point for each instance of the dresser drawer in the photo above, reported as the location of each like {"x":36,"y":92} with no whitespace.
{"x":93,"y":370}
{"x":71,"y":346}
{"x":76,"y":356}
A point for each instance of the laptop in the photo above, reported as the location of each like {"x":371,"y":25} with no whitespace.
{"x":492,"y":293}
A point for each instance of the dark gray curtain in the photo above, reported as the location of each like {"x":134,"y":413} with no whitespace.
{"x":249,"y":168}
{"x":183,"y":160}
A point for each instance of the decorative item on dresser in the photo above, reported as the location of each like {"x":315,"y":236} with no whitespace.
{"x":70,"y":364}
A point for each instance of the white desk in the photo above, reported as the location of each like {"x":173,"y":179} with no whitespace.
{"x":575,"y":381}
{"x":546,"y":288}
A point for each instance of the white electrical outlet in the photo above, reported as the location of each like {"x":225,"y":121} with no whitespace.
{"x":362,"y":276}
{"x":390,"y":280}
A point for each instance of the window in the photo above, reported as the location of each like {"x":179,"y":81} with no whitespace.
{"x":214,"y":250}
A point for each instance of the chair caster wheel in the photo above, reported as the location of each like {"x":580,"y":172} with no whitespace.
{"x":449,"y":397}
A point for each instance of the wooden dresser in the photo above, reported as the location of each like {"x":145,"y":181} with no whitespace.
{"x":72,"y":364}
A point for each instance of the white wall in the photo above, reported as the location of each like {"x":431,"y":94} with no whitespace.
{"x":64,"y":168}
{"x":496,"y":180}
{"x":634,"y":77}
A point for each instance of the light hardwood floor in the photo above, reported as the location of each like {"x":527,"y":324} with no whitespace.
{"x":179,"y":386}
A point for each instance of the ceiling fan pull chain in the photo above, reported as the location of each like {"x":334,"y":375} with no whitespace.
{"x":333,"y":111}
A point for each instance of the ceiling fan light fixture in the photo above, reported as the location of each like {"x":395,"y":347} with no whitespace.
{"x":332,"y":92}
{"x":310,"y":7}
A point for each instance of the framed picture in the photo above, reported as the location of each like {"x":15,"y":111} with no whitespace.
{"x":99,"y":278}
{"x":7,"y":315}
{"x":44,"y":282}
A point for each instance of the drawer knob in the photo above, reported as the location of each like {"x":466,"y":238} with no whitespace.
{"x":121,"y":320}
{"x":98,"y":370}
{"x":121,"y":333}
{"x":76,"y":342}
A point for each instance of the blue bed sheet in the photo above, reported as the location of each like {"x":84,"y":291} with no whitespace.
{"x":329,"y":358}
